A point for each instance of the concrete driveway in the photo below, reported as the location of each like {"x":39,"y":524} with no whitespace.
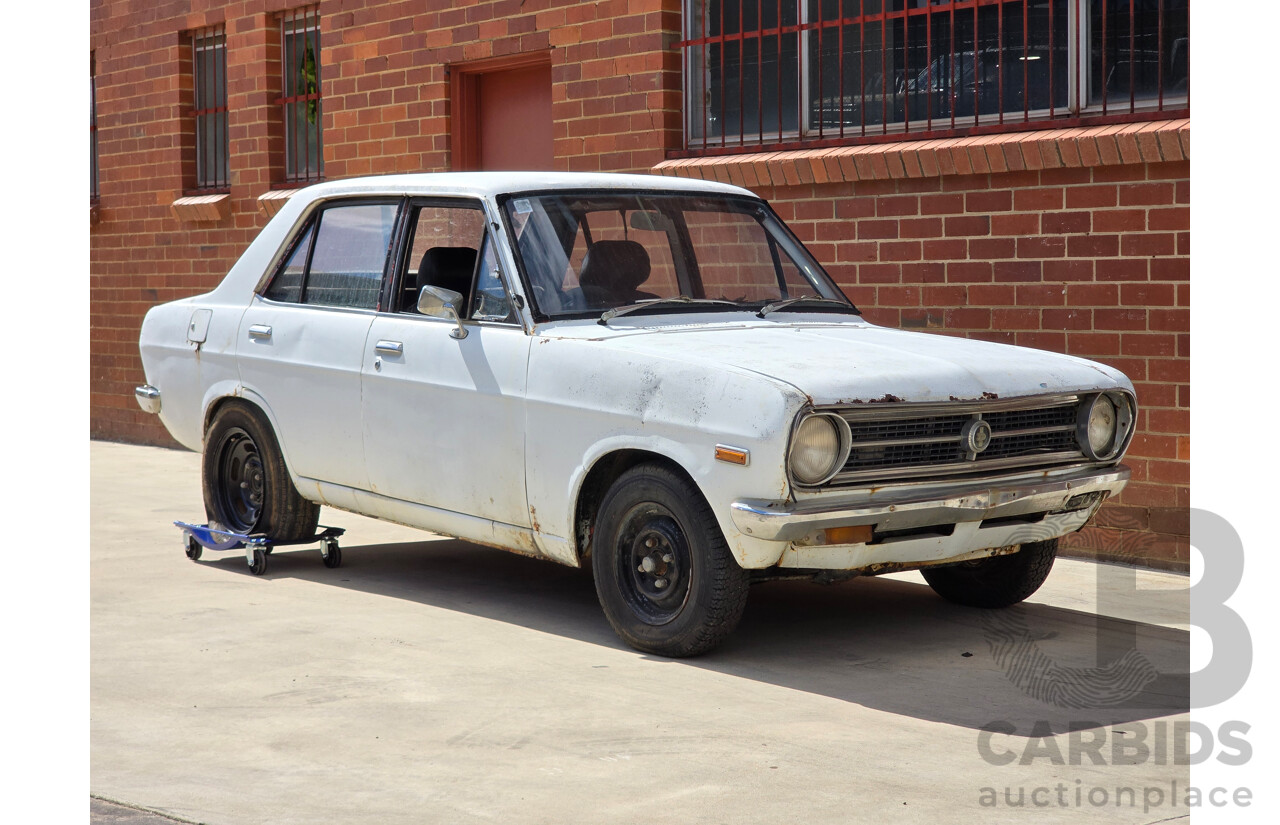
{"x":430,"y":680}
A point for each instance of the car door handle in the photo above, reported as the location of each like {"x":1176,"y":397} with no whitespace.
{"x":389,"y":347}
{"x":259,"y":331}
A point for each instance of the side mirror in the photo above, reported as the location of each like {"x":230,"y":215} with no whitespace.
{"x":439,"y":302}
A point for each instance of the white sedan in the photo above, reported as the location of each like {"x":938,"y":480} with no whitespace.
{"x":651,"y":373}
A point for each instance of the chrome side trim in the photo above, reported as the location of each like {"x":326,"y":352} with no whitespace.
{"x":148,"y":398}
{"x":906,"y":509}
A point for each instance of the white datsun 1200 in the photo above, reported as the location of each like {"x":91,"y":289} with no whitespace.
{"x":651,"y":373}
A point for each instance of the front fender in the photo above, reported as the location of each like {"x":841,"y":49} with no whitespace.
{"x":587,"y":401}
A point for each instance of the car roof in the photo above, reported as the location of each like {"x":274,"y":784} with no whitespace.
{"x":500,"y":183}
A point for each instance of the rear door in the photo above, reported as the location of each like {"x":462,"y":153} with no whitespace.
{"x":301,"y":342}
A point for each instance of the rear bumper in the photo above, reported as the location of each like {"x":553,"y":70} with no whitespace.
{"x":945,"y":524}
{"x":148,"y":398}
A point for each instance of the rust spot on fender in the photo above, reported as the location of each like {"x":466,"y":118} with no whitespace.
{"x":989,"y":396}
{"x":533,"y":515}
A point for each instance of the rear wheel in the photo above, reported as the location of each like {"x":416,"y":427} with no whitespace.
{"x":998,"y":581}
{"x":663,"y":573}
{"x":246,"y":484}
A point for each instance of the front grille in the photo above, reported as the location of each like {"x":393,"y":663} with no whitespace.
{"x":899,"y":441}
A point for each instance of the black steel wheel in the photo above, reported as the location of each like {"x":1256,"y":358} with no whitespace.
{"x":241,"y":481}
{"x":655,"y":560}
{"x":193,"y":548}
{"x":258,"y":565}
{"x":997,"y":581}
{"x":333,"y":556}
{"x":247,"y":488}
{"x":663,"y":573}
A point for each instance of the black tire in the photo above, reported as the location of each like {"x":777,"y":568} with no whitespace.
{"x":194,"y":548}
{"x":664,"y":575}
{"x":333,"y":558}
{"x":998,"y":581}
{"x":246,"y":484}
{"x":259,"y":564}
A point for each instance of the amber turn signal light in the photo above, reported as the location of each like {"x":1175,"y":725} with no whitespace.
{"x":732,"y":455}
{"x":860,"y":534}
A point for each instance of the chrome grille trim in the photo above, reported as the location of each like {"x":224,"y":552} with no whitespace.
{"x":900,"y":440}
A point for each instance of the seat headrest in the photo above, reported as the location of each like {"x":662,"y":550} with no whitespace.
{"x":616,"y":266}
{"x":450,"y":267}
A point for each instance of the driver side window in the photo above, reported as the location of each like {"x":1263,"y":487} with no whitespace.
{"x":442,"y":252}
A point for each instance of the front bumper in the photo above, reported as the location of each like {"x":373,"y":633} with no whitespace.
{"x":943,"y":524}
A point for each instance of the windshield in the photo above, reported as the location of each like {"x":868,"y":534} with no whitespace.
{"x":584,"y":252}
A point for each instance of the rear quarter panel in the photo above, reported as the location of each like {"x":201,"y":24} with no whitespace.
{"x":189,"y":375}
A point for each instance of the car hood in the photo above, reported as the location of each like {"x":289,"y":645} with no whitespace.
{"x":857,"y":362}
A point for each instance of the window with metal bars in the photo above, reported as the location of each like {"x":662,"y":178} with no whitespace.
{"x":761,"y":73}
{"x":209,"y":83}
{"x":93,"y":129}
{"x":300,"y":96}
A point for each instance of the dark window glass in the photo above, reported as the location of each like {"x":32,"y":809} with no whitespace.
{"x":749,"y":70}
{"x":209,"y":81}
{"x":349,"y":256}
{"x":758,"y":72}
{"x":300,"y":98}
{"x":1137,"y":51}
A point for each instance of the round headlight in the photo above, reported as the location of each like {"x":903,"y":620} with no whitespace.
{"x":818,"y":449}
{"x":1103,"y":426}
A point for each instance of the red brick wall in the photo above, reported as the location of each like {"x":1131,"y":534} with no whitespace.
{"x":386,"y":108}
{"x":1090,"y":261}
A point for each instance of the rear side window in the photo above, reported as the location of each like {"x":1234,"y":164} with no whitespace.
{"x":340,"y":258}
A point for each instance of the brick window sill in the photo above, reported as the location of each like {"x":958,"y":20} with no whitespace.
{"x":269,"y":203}
{"x":1154,"y":142}
{"x":202,"y":208}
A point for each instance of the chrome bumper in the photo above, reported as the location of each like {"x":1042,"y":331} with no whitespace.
{"x":148,"y":398}
{"x":906,"y":509}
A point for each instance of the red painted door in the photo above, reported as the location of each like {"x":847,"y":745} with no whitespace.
{"x":514,"y":119}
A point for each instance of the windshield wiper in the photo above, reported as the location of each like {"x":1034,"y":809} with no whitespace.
{"x":681,"y":300}
{"x":777,"y":305}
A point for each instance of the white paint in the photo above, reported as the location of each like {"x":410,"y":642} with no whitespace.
{"x":491,"y":437}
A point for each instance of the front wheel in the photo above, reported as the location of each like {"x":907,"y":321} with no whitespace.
{"x":663,"y":573}
{"x":997,"y":581}
{"x":247,"y":488}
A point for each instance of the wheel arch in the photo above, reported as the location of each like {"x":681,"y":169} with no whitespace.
{"x":607,"y":469}
{"x":220,"y":397}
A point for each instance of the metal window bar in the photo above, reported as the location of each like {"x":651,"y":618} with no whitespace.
{"x":300,"y":99}
{"x":1091,"y":89}
{"x":209,"y":79}
{"x":93,"y":132}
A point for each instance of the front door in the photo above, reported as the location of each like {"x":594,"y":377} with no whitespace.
{"x":444,"y":417}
